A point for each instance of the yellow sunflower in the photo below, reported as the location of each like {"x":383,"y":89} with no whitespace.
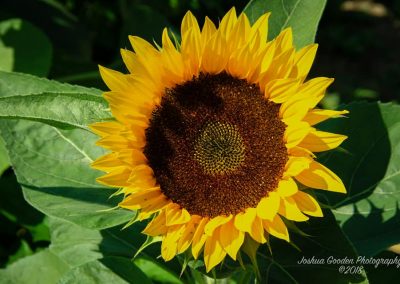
{"x":212,"y":137}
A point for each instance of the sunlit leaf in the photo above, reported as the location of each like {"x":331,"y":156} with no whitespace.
{"x":24,"y":48}
{"x":301,"y":15}
{"x":369,"y":164}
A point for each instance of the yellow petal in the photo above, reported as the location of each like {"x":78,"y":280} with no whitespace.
{"x":106,"y":128}
{"x":277,"y":228}
{"x":307,"y":204}
{"x":157,"y":226}
{"x":261,"y":27}
{"x":142,"y":176}
{"x":303,"y":60}
{"x":176,"y":216}
{"x":166,"y":40}
{"x":287,"y":187}
{"x":244,"y":220}
{"x":188,"y":233}
{"x":280,"y":90}
{"x":208,"y":30}
{"x":191,"y":51}
{"x":290,"y":211}
{"x":114,"y":80}
{"x":257,"y":231}
{"x":239,"y":34}
{"x":213,"y":252}
{"x":319,"y":176}
{"x":142,"y":47}
{"x":169,"y":244}
{"x":199,"y":238}
{"x":268,"y":206}
{"x":215,"y":57}
{"x":308,"y":96}
{"x":189,"y":22}
{"x":300,"y":152}
{"x":319,"y":141}
{"x":228,"y":22}
{"x":140,"y":199}
{"x":295,"y":133}
{"x":107,"y":162}
{"x":215,"y":223}
{"x":315,"y":116}
{"x":284,"y":40}
{"x":132,"y":157}
{"x":295,"y":165}
{"x":230,"y":238}
{"x":116,"y":178}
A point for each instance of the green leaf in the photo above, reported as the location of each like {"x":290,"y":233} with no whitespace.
{"x":40,"y":268}
{"x":17,"y":84}
{"x":114,"y":270}
{"x":326,"y":241}
{"x":56,"y":104}
{"x":53,"y":168}
{"x":4,"y":160}
{"x":24,"y":48}
{"x":301,"y":15}
{"x":156,"y":271}
{"x":368,"y":162}
{"x":77,"y":245}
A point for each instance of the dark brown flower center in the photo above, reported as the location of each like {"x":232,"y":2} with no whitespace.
{"x":216,"y":145}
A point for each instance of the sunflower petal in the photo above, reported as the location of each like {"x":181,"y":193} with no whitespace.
{"x":169,"y":245}
{"x":157,"y":226}
{"x":280,"y":90}
{"x":295,"y":133}
{"x":307,"y":204}
{"x":287,"y":187}
{"x":199,"y":238}
{"x":230,"y":238}
{"x":315,"y":116}
{"x":257,"y":231}
{"x":277,"y":228}
{"x":303,"y":60}
{"x":244,"y":220}
{"x":188,"y":233}
{"x":215,"y":223}
{"x":268,"y":206}
{"x":213,"y":252}
{"x":176,"y":216}
{"x":290,"y":211}
{"x":320,"y":177}
{"x":319,"y":141}
{"x":295,"y":165}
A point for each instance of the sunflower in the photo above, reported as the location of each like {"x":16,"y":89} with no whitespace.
{"x":213,"y":138}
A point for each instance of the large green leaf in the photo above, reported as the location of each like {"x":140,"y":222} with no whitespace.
{"x":61,"y":105}
{"x":24,"y":48}
{"x":301,"y":15}
{"x":4,"y":161}
{"x":325,"y":240}
{"x":40,"y":268}
{"x":114,"y":270}
{"x":369,"y":164}
{"x":77,"y":245}
{"x":17,"y":84}
{"x":53,"y":168}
